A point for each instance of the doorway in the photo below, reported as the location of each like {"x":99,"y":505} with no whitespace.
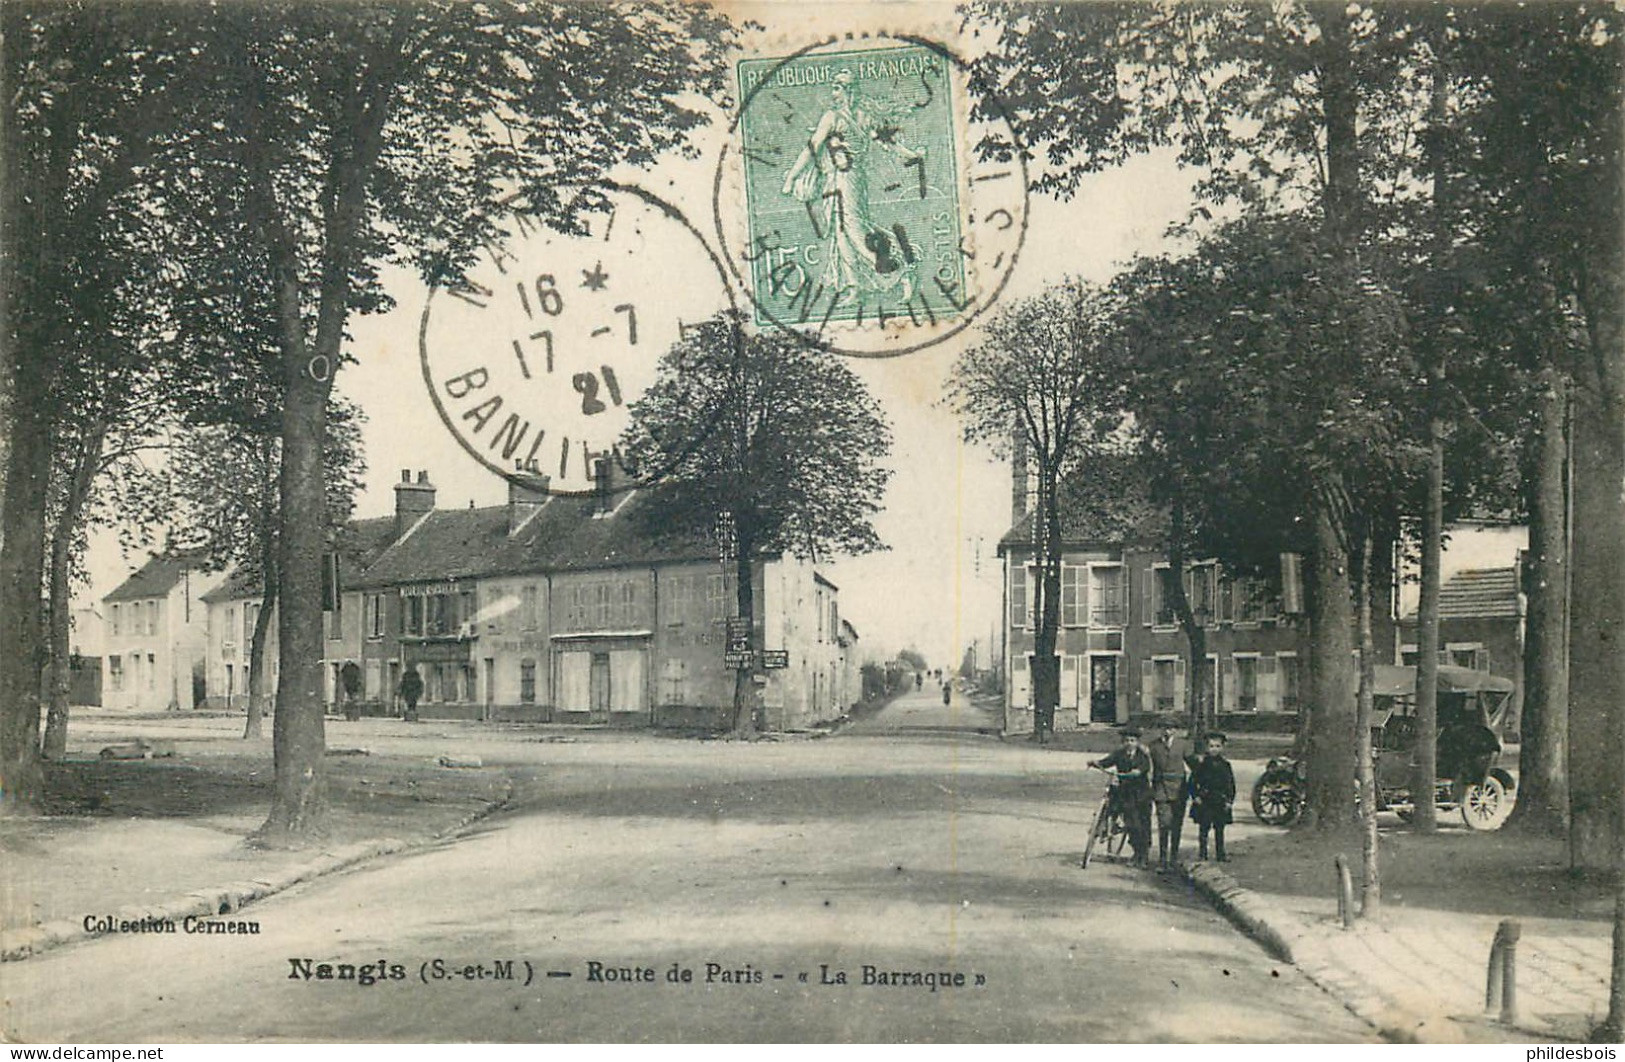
{"x":598,"y":689}
{"x":1103,"y":689}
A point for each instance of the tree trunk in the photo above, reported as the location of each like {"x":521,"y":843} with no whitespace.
{"x":1195,"y":633}
{"x":298,"y":732}
{"x":22,"y":570}
{"x":1542,"y":806}
{"x":87,"y":460}
{"x":1330,"y":745}
{"x":1597,"y":628}
{"x":1424,"y":768}
{"x":1370,"y":871}
{"x":59,"y":620}
{"x":1046,"y":669}
{"x":746,"y":724}
{"x":34,"y":186}
{"x":256,"y":658}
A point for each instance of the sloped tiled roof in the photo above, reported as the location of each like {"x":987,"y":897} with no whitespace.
{"x":157,"y":577}
{"x":239,"y":584}
{"x":563,"y":535}
{"x":358,"y":543}
{"x":1105,"y":503}
{"x":1478,"y":593}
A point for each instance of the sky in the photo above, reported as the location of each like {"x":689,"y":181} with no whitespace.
{"x":936,"y":588}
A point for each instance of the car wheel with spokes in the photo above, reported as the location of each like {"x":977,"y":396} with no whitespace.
{"x":1485,"y":805}
{"x":1276,"y":800}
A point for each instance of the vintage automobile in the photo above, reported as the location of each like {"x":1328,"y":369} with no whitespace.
{"x":1472,"y":707}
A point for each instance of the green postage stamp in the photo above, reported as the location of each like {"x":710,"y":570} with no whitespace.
{"x":852,"y":188}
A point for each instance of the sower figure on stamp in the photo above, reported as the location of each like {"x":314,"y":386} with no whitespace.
{"x":411,"y":690}
{"x":1168,"y":795}
{"x":1213,"y":790}
{"x":831,"y":175}
{"x":1133,"y":766}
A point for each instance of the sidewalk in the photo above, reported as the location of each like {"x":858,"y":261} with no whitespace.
{"x":163,"y":837}
{"x":1418,"y":970}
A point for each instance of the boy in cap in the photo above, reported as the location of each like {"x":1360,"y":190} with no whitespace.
{"x":1213,"y":790}
{"x":1133,"y":766}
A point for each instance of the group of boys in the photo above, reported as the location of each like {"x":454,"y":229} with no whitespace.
{"x":1156,"y":776}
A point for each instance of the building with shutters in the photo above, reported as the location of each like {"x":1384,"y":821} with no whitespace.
{"x":570,"y":609}
{"x":1481,"y":625}
{"x":234,"y":607}
{"x":155,"y":635}
{"x":1122,"y":651}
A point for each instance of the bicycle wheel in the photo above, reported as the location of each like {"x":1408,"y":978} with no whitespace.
{"x":1117,"y":838}
{"x":1097,"y":828}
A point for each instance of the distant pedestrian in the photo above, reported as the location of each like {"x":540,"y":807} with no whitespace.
{"x":947,"y":691}
{"x":1213,"y":791}
{"x":1133,"y":766}
{"x":411,"y":690}
{"x":1168,"y":792}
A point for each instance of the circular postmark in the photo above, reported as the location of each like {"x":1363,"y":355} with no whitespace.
{"x":534,"y":357}
{"x":851,"y":204}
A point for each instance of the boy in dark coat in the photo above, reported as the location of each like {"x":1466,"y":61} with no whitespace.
{"x":1213,"y":790}
{"x":1133,"y":766}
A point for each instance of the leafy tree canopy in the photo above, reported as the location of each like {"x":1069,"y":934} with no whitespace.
{"x":781,"y":436}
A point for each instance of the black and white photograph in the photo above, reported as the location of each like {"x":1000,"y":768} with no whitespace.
{"x":661,"y":522}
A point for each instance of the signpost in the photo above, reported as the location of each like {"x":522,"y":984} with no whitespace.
{"x":738,"y":655}
{"x":775,"y":658}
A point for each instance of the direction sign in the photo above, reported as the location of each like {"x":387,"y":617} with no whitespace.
{"x":772,"y":658}
{"x":737,"y":661}
{"x":738,"y":635}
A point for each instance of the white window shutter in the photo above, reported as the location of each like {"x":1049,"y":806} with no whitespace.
{"x":1179,"y":684}
{"x":1148,"y":680}
{"x":1018,"y":596}
{"x":1230,"y":684}
{"x":1269,"y":690}
{"x":1069,"y":682}
{"x":1148,"y":594}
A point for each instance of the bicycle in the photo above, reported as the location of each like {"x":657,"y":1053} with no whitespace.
{"x":1108,"y":826}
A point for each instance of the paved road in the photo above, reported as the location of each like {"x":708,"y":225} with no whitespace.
{"x":922,"y":710}
{"x":783,"y":864}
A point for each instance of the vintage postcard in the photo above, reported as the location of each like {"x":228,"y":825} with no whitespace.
{"x":826,"y":523}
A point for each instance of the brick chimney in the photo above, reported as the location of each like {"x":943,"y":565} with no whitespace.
{"x":1018,"y":477}
{"x":525,"y":495}
{"x":412,"y":500}
{"x":603,"y":484}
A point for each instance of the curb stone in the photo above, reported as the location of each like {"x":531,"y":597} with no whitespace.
{"x":21,"y":943}
{"x":1287,"y":938}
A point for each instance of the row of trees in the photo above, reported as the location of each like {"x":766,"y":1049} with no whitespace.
{"x":1399,"y":300}
{"x":196,"y":201}
{"x":224,"y":187}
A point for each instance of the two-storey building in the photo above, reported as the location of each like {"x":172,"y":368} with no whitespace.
{"x":155,"y":635}
{"x":569,"y":609}
{"x":1121,"y":648}
{"x":234,"y":607}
